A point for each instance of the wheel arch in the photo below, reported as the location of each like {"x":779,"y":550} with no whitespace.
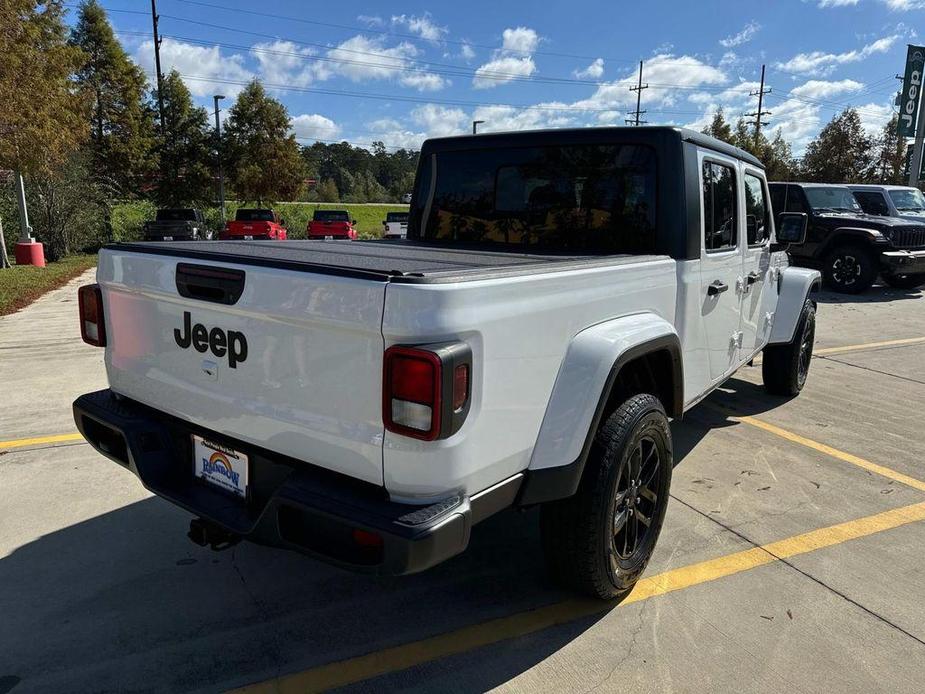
{"x":604,"y":365}
{"x":844,"y":236}
{"x":793,"y":288}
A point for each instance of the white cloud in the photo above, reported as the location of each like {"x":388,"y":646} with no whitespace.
{"x":363,"y":59}
{"x":422,"y":26}
{"x":684,"y":71}
{"x":594,"y":71}
{"x":467,"y":51}
{"x":371,"y":20}
{"x":514,"y":59}
{"x":744,"y":36}
{"x":837,"y":3}
{"x":821,"y":89}
{"x":817,"y":62}
{"x":312,"y":126}
{"x":284,"y":63}
{"x":874,"y":117}
{"x":206,"y":70}
{"x":904,"y":5}
{"x":520,"y":40}
{"x":440,"y":121}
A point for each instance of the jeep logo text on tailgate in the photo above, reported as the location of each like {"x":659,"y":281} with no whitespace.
{"x":232,"y":343}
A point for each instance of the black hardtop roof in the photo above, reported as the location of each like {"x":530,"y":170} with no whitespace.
{"x":254,"y":209}
{"x":331,"y":211}
{"x":552,"y":136}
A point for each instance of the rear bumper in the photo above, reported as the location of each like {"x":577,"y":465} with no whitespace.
{"x":903,"y":262}
{"x":292,"y":504}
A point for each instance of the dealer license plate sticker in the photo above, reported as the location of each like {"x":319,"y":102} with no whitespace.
{"x":221,"y":466}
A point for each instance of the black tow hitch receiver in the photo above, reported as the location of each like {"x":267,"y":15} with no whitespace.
{"x":206,"y":534}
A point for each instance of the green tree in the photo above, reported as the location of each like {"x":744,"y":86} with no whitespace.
{"x":841,"y":153}
{"x":891,"y":155}
{"x":264,"y":160}
{"x":41,"y":116}
{"x":184,"y":148}
{"x":327,"y":191}
{"x":719,"y":127}
{"x":122,"y":128}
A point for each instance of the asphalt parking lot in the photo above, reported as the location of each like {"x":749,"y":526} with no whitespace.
{"x":791,"y":557}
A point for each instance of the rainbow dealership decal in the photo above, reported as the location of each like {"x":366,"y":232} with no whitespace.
{"x":221,"y":466}
{"x":912,"y":89}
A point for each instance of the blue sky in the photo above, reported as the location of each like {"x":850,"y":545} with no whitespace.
{"x":401,"y":71}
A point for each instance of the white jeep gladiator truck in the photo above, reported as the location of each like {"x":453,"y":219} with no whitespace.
{"x":560,"y":295}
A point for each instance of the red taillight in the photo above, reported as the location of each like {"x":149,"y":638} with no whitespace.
{"x":412,"y":393}
{"x":92,"y":325}
{"x":365,"y":538}
{"x":426,"y":389}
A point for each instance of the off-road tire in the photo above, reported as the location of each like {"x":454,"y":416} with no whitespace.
{"x":785,"y":367}
{"x":903,"y":281}
{"x":580,"y":533}
{"x":849,"y":269}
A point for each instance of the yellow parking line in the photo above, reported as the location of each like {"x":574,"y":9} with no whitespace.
{"x":58,"y":438}
{"x":834,"y":452}
{"x":364,"y":667}
{"x":868,"y":345}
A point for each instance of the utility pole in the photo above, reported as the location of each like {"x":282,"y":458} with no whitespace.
{"x":218,"y":150}
{"x":157,"y":67}
{"x":638,"y":89}
{"x":475,"y":126}
{"x":759,"y":113}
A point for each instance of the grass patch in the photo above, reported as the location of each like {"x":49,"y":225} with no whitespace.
{"x":23,"y":284}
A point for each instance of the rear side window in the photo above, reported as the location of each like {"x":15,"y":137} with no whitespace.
{"x":596,"y":199}
{"x":778,"y":199}
{"x":254,"y":216}
{"x":757,"y":226}
{"x":872,"y":203}
{"x":795,"y":200}
{"x":720,"y":231}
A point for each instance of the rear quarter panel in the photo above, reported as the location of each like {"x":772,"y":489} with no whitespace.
{"x":519,"y":329}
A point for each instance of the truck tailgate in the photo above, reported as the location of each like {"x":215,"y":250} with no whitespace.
{"x":293,"y":365}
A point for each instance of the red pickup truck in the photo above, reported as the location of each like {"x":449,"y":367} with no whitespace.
{"x":331,"y":224}
{"x":254,"y":224}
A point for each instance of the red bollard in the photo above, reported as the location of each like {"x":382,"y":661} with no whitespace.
{"x":31,"y":253}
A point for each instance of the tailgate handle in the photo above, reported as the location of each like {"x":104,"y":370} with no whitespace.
{"x":218,"y":285}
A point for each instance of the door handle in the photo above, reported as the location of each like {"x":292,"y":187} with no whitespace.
{"x":717,"y":287}
{"x":751,"y":278}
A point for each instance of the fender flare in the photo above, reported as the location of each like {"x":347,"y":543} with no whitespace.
{"x":793,"y":287}
{"x":581,"y":393}
{"x":867,"y":237}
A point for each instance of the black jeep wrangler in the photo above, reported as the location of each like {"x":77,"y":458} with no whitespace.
{"x":849,"y":246}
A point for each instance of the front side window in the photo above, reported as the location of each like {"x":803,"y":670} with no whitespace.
{"x":719,"y":207}
{"x":908,"y":200}
{"x":757,"y":227}
{"x":595,"y":199}
{"x":832,"y":199}
{"x":872,"y":203}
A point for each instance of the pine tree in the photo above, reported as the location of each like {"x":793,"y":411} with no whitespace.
{"x":264,"y":159}
{"x":719,"y":127}
{"x":841,"y":153}
{"x":122,"y":128}
{"x":184,"y":148}
{"x":41,"y":118}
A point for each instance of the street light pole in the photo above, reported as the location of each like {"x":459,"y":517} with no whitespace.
{"x":475,"y":126}
{"x":218,"y":150}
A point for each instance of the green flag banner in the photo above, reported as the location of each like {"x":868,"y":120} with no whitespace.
{"x":912,"y":87}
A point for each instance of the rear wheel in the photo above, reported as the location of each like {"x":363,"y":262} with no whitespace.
{"x":785,"y":367}
{"x":849,"y":269}
{"x":600,"y":540}
{"x":903,"y":281}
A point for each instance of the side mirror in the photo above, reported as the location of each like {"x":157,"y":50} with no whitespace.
{"x":282,"y":222}
{"x":791,"y":228}
{"x":353,"y":222}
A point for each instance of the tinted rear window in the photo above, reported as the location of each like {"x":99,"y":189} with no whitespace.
{"x":330,"y":216}
{"x":176,"y":215}
{"x":254,"y":216}
{"x":578,"y":198}
{"x":396,"y":217}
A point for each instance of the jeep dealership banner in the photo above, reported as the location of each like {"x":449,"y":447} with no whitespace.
{"x":912,"y":87}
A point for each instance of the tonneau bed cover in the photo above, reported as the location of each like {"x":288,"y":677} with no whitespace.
{"x":395,"y":261}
